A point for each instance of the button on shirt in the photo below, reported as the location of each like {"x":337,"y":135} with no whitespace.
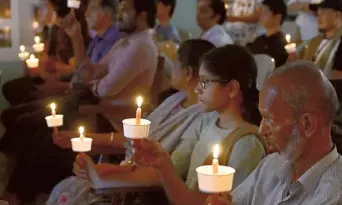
{"x":217,"y":36}
{"x":270,"y":183}
{"x":101,"y":45}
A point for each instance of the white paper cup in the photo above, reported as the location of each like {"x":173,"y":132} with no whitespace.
{"x":133,"y":131}
{"x":74,"y":4}
{"x":56,"y":121}
{"x":291,"y":48}
{"x":81,"y":146}
{"x":215,"y":183}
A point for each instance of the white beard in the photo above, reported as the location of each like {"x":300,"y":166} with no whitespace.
{"x":291,"y":152}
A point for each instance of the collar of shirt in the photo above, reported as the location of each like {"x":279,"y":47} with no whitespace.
{"x":111,"y":34}
{"x":312,"y":176}
{"x":212,"y":31}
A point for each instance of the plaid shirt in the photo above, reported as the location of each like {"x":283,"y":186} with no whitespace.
{"x":270,"y":183}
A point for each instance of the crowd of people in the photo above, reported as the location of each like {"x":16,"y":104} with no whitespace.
{"x":282,"y":138}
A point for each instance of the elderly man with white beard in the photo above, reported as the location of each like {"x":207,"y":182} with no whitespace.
{"x":298,"y":105}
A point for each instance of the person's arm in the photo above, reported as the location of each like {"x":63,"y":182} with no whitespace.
{"x":253,"y":18}
{"x":124,"y":71}
{"x":174,"y":186}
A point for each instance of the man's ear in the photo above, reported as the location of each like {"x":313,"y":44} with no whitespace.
{"x":308,"y":122}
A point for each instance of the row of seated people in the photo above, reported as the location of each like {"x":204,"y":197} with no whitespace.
{"x":118,"y":72}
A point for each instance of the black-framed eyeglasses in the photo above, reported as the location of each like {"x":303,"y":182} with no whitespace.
{"x":202,"y":81}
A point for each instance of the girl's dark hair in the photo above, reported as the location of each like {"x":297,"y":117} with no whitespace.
{"x":191,"y":51}
{"x":233,"y":62}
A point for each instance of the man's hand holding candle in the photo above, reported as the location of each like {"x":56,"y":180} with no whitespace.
{"x":150,"y":153}
{"x":219,"y":200}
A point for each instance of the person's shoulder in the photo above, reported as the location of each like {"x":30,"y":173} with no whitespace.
{"x":329,"y":187}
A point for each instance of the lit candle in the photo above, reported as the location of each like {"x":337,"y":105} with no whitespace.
{"x":53,"y":109}
{"x":138,"y":112}
{"x":38,"y":46}
{"x":81,"y":131}
{"x":23,"y":55}
{"x":35,"y":25}
{"x":288,"y":38}
{"x":215,"y":163}
{"x":32,"y":62}
{"x":290,"y":47}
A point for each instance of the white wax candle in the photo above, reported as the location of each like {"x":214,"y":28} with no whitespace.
{"x":32,"y":62}
{"x":53,"y":109}
{"x":81,"y":131}
{"x":215,"y":163}
{"x":138,"y":112}
{"x":288,"y":38}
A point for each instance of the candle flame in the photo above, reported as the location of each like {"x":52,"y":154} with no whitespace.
{"x":22,"y":48}
{"x":288,"y":38}
{"x":32,"y":56}
{"x":35,"y":24}
{"x":139,"y":101}
{"x":53,"y":106}
{"x":216,"y":151}
{"x":37,"y":39}
{"x":81,"y":130}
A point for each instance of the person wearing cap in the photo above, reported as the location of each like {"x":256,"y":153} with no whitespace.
{"x":272,"y":43}
{"x":326,"y":49}
{"x":306,"y":19}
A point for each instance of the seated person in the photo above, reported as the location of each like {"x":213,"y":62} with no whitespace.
{"x":128,"y":69}
{"x":99,"y":15}
{"x":56,"y":63}
{"x":232,"y":96}
{"x":210,"y":15}
{"x":172,"y":117}
{"x":164,"y":30}
{"x":326,"y":52}
{"x":242,"y":20}
{"x":273,"y":14}
{"x":306,"y":169}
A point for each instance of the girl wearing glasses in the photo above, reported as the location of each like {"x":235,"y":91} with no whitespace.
{"x":227,"y":87}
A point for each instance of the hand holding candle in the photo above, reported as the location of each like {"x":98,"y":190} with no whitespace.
{"x":138,"y":112}
{"x":215,"y":163}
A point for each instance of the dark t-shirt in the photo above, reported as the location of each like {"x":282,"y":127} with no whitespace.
{"x":273,"y":46}
{"x":338,"y":58}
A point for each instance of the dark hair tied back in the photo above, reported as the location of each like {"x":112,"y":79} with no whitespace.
{"x":233,"y":62}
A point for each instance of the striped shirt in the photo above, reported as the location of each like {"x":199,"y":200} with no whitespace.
{"x":270,"y":183}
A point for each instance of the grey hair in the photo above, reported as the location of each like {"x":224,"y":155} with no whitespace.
{"x":303,"y":76}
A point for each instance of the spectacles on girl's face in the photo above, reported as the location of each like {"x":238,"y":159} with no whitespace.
{"x":204,"y":81}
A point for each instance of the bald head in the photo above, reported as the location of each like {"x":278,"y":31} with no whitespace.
{"x":305,"y":89}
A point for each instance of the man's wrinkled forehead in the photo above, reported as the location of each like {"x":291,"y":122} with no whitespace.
{"x":268,"y":96}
